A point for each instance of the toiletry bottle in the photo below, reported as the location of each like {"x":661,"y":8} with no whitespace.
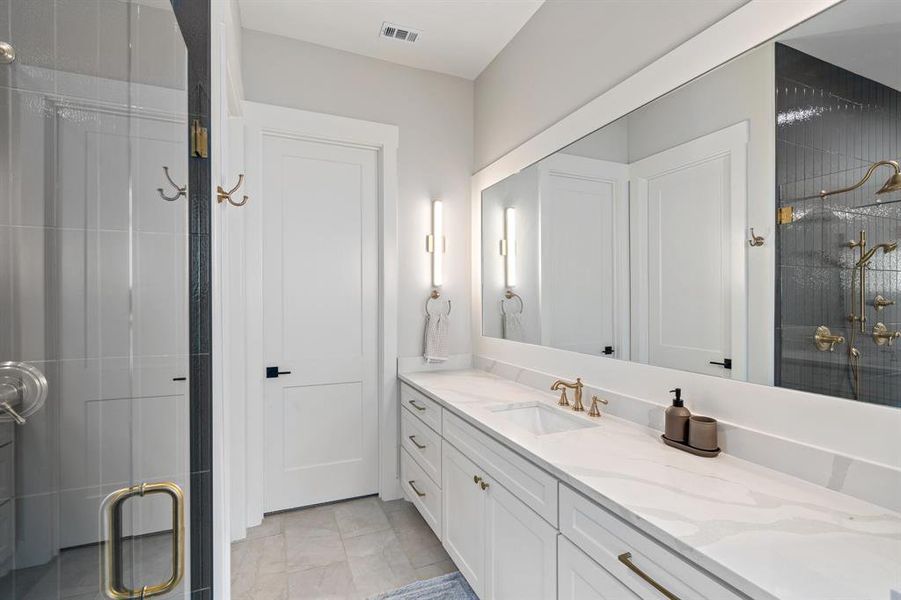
{"x":677,"y":417}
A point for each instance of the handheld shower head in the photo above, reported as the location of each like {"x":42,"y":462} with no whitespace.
{"x":868,"y":256}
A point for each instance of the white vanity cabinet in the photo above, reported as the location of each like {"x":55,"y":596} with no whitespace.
{"x":464,"y":517}
{"x":502,"y":547}
{"x":497,"y":515}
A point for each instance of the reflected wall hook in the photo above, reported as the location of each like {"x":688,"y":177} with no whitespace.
{"x":222,"y":195}
{"x":182,"y":190}
{"x":756,"y":240}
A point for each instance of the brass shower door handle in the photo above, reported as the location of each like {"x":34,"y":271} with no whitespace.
{"x":113,"y":586}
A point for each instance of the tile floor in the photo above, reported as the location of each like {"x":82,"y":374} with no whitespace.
{"x":347,"y":550}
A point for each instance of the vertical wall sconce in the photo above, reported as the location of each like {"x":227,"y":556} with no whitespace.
{"x":436,"y":244}
{"x":508,"y":247}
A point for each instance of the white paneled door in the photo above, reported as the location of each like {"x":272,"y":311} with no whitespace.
{"x":584,"y":214}
{"x":320,"y":320}
{"x":693,"y":198}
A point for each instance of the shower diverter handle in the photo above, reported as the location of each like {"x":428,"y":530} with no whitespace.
{"x":23,"y":390}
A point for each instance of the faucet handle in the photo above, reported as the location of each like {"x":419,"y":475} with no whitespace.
{"x":882,"y":335}
{"x":564,"y":401}
{"x":594,"y":411}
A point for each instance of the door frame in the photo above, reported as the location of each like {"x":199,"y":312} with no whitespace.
{"x":265,"y":119}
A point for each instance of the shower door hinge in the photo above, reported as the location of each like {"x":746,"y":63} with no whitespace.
{"x":785,"y":215}
{"x":200,"y":143}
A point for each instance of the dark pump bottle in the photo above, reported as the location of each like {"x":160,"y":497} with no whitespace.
{"x":676,"y":420}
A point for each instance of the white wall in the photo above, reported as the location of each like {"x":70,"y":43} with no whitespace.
{"x":434,"y":114}
{"x":569,"y":53}
{"x":608,"y":143}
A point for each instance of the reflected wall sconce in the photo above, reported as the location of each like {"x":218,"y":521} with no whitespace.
{"x":436,"y":244}
{"x":508,"y":247}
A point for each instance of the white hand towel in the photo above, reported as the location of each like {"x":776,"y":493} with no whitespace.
{"x":436,"y":338}
{"x":513,"y":329}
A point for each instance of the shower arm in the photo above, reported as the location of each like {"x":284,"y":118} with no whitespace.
{"x":873,"y":167}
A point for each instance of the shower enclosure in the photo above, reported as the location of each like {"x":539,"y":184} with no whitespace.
{"x":838,"y":140}
{"x":96,"y":316}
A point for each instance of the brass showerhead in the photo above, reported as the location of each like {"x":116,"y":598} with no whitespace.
{"x":893,"y":183}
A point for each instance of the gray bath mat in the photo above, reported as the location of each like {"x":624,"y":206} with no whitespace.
{"x":446,"y":587}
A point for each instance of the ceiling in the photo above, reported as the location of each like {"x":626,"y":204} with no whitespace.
{"x":458,"y":37}
{"x":862,"y":36}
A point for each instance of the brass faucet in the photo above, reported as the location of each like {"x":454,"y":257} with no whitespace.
{"x":577,"y":386}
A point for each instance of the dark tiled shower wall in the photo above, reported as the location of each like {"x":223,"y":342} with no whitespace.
{"x":831,"y":126}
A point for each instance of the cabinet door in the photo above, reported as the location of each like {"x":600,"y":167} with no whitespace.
{"x":521,"y":549}
{"x":464,"y":516}
{"x":580,"y":578}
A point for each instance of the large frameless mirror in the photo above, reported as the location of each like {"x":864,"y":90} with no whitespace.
{"x":744,"y":225}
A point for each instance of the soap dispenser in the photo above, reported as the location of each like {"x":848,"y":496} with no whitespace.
{"x":676,"y":426}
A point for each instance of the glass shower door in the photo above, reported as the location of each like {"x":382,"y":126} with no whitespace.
{"x":94,"y":421}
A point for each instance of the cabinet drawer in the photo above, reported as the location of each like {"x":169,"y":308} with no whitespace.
{"x":580,"y":578}
{"x":422,"y":491}
{"x":534,"y":487}
{"x":423,"y":444}
{"x":606,"y":538}
{"x":425,"y":409}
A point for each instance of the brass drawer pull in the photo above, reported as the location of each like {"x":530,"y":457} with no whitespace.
{"x":413,"y":485}
{"x":416,"y":406}
{"x":415,"y":443}
{"x":626,"y":559}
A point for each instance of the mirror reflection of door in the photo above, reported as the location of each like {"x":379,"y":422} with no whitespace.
{"x":584,"y":212}
{"x":688,"y":207}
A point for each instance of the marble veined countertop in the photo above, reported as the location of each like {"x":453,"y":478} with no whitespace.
{"x":768,"y":534}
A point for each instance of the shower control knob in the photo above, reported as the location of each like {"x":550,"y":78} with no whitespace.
{"x":882,"y":335}
{"x":7,"y":53}
{"x":23,"y":390}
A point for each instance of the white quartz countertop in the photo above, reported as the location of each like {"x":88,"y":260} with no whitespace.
{"x":768,"y":534}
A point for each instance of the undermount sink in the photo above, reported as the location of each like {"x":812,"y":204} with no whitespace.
{"x":540,"y":419}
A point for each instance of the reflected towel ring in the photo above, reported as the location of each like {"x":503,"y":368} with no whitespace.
{"x":509,"y":295}
{"x":434,"y":296}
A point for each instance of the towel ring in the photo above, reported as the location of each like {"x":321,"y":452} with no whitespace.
{"x":509,"y":295}
{"x":434,"y":296}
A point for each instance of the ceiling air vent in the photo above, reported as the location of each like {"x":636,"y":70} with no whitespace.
{"x":396,"y":32}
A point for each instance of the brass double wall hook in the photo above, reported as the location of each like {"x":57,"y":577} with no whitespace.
{"x":222,"y":195}
{"x":181,"y":190}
